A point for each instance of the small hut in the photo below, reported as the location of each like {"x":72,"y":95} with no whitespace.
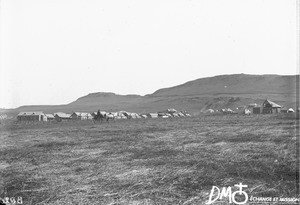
{"x":60,"y":116}
{"x":270,"y":107}
{"x":76,"y":116}
{"x":32,"y":116}
{"x":256,"y":110}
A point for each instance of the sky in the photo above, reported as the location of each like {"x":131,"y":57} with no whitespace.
{"x":55,"y":51}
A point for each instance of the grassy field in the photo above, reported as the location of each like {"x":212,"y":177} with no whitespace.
{"x":148,"y":161}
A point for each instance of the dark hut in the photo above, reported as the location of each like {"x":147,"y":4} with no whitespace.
{"x":270,"y":107}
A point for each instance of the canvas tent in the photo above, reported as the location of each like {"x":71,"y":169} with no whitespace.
{"x":50,"y":117}
{"x":152,"y":115}
{"x":209,"y":111}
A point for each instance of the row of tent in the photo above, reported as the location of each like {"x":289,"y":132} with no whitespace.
{"x":3,"y":117}
{"x":131,"y":115}
{"x":60,"y":116}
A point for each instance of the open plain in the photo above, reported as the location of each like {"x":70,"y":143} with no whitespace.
{"x":148,"y":161}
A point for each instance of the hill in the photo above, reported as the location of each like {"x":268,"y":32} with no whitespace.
{"x":233,"y":84}
{"x":212,"y":92}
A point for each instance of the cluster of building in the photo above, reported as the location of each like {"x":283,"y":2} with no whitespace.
{"x":60,"y":116}
{"x":41,"y":116}
{"x":268,"y":107}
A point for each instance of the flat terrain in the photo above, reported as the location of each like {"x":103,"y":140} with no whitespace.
{"x":148,"y":161}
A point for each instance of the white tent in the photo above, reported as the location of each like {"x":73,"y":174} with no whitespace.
{"x":209,"y":111}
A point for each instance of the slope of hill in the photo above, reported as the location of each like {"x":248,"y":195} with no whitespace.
{"x":233,"y":84}
{"x":212,"y":92}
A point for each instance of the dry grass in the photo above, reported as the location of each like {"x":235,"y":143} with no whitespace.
{"x":158,"y":161}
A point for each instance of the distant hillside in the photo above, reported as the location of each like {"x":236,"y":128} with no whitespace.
{"x":212,"y":92}
{"x":103,"y":98}
{"x":233,"y":84}
{"x":2,"y":110}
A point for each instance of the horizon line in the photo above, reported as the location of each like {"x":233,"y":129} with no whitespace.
{"x":115,"y":93}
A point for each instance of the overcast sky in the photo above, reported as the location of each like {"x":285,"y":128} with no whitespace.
{"x":54,"y":51}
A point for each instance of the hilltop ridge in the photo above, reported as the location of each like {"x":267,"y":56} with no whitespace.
{"x":233,"y":84}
